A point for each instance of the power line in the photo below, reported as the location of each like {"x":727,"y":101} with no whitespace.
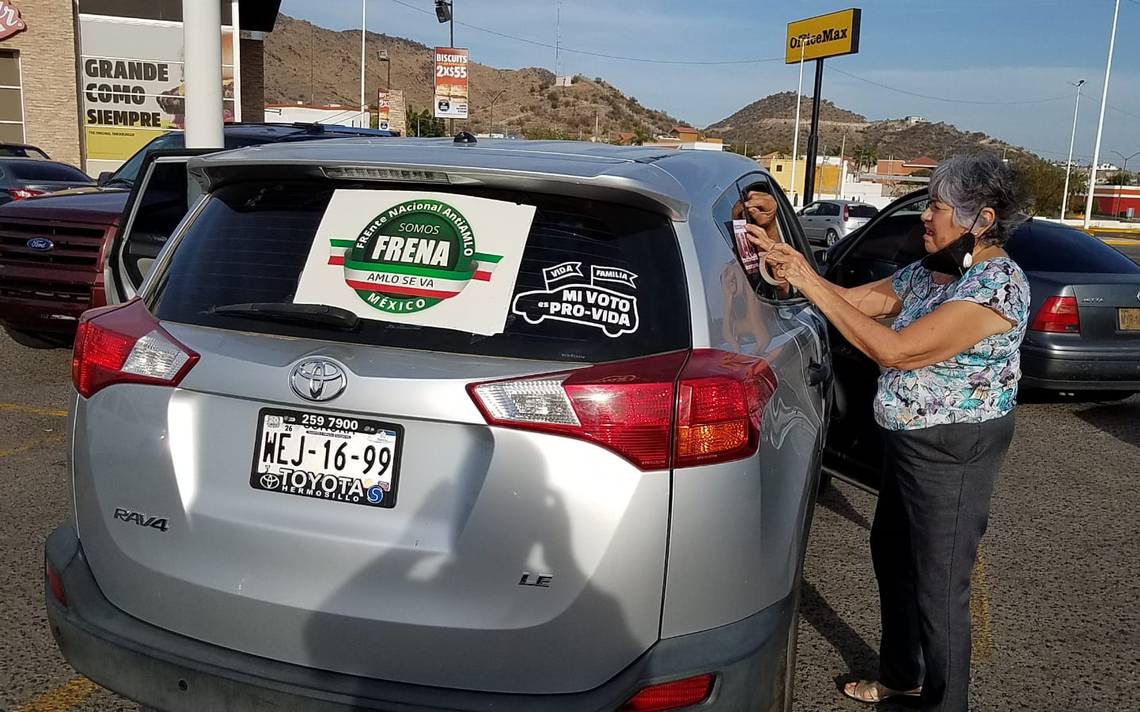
{"x":944,"y":99}
{"x":589,"y":53}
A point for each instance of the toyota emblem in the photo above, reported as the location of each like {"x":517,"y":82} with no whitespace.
{"x":318,"y":379}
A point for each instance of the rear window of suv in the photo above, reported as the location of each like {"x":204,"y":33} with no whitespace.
{"x":250,"y":242}
{"x":862,"y":211}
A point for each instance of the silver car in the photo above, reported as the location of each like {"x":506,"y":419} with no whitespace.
{"x":826,"y":222}
{"x":283,"y":505}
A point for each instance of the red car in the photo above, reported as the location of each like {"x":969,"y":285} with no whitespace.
{"x":52,"y":247}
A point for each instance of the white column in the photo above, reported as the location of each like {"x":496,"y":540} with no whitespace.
{"x":202,"y":73}
{"x":235,"y":23}
{"x":1100,"y":123}
{"x":363,"y":34}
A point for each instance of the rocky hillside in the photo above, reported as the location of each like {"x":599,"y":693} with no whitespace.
{"x":769,"y":123}
{"x":314,"y":65}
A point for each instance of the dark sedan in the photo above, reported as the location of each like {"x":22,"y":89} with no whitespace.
{"x":1084,"y":324}
{"x":28,"y":177}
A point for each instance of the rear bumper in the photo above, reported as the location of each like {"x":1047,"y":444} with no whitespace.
{"x":174,"y":673}
{"x":1087,"y":371}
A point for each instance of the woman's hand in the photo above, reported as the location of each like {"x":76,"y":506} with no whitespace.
{"x":788,"y":264}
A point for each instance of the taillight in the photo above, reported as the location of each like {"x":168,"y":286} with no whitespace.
{"x":701,"y":408}
{"x":21,"y":193}
{"x":55,"y":584}
{"x":671,"y":695}
{"x":846,"y":212}
{"x":125,"y":344}
{"x":1058,"y":315}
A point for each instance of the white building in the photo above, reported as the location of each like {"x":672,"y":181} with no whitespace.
{"x":332,"y":114}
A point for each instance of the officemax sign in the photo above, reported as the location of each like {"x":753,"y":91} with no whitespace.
{"x":828,"y":35}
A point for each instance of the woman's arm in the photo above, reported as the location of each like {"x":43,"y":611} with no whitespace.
{"x":947,"y":331}
{"x":877,"y":299}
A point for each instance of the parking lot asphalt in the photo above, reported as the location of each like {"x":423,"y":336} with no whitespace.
{"x":1057,"y":590}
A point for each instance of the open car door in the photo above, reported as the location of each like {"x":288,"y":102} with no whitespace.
{"x":160,"y":199}
{"x":889,"y":242}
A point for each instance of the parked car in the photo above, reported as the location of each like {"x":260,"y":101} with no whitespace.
{"x":22,"y":178}
{"x":1083,"y":335}
{"x":43,"y":292}
{"x":21,"y":150}
{"x":586,"y":513}
{"x":827,"y":222}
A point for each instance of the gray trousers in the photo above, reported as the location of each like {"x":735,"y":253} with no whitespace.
{"x":933,"y":508}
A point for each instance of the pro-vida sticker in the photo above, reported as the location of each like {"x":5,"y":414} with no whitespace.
{"x":570,"y":298}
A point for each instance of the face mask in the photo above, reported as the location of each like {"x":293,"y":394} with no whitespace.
{"x":955,"y":258}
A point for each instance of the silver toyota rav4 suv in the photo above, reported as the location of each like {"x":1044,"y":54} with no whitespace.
{"x":600,"y":502}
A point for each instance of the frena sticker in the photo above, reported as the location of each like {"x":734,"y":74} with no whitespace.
{"x":607,"y":300}
{"x":411,"y":257}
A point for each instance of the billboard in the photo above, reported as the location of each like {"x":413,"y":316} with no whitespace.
{"x":823,"y":36}
{"x":451,"y":76}
{"x":383,"y":109}
{"x":131,"y":82}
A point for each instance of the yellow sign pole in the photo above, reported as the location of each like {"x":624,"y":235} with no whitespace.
{"x":817,"y":38}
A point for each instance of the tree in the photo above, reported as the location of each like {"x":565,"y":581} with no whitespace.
{"x":1120,"y":178}
{"x":422,"y":123}
{"x":865,"y":157}
{"x":640,"y":136}
{"x":1044,"y":185}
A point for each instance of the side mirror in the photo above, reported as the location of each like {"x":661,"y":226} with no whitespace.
{"x":104,"y":178}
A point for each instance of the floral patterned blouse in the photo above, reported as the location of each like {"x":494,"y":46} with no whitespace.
{"x":978,"y":384}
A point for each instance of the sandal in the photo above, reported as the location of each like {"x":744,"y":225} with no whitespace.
{"x":874,"y":692}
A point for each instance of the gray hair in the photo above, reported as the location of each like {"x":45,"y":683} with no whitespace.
{"x":969,"y":183}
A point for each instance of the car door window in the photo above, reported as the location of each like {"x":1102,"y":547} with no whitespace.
{"x":885,"y":246}
{"x":810,"y":210}
{"x":158,"y":202}
{"x":828,"y":209}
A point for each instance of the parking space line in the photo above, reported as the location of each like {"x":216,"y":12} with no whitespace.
{"x":62,"y":698}
{"x":33,"y":410}
{"x":31,"y":445}
{"x":982,"y":640}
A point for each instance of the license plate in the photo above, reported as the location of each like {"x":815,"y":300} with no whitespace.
{"x":334,"y":458}
{"x":1129,"y":319}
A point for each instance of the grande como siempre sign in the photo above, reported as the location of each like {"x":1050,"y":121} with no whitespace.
{"x":830,"y":35}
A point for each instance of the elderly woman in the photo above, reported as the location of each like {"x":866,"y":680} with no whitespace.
{"x":945,"y":404}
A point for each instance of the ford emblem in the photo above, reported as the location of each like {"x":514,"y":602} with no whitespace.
{"x":40,"y":244}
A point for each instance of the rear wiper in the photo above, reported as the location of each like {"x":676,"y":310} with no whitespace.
{"x":320,"y":314}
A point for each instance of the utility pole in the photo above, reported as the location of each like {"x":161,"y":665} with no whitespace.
{"x":1072,"y":142}
{"x":595,"y":125}
{"x":202,"y":40}
{"x":842,"y":167}
{"x":1100,"y":123}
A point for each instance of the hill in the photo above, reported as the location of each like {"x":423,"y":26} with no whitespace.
{"x":769,"y":124}
{"x":314,"y":65}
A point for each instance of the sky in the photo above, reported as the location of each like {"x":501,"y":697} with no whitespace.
{"x":1005,"y":67}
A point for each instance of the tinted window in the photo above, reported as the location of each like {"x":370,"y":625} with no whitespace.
{"x":897,"y":238}
{"x":861,"y":211}
{"x":1039,"y":247}
{"x":828,"y":209}
{"x":250,"y":242}
{"x":42,"y":170}
{"x":21,"y":152}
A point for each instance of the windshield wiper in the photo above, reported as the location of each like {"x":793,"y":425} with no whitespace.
{"x":318,"y":314}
